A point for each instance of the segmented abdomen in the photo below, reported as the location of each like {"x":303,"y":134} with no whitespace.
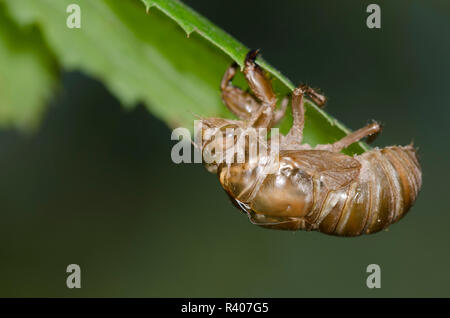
{"x":388,"y":184}
{"x":386,"y":187}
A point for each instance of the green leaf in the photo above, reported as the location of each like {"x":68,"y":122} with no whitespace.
{"x":171,"y":59}
{"x":28,"y":74}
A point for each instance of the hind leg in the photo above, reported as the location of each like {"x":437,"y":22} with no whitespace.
{"x":371,"y":131}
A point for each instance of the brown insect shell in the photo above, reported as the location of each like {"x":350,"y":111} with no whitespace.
{"x":208,"y":131}
{"x":279,"y":189}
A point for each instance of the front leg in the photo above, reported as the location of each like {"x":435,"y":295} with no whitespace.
{"x":239,"y":102}
{"x":262,"y":88}
{"x":257,"y":80}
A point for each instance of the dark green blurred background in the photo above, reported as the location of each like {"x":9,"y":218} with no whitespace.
{"x":95,"y":185}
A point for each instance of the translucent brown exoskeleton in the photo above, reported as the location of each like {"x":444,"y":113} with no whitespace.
{"x":312,"y":188}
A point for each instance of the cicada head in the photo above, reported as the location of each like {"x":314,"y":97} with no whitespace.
{"x":216,"y":136}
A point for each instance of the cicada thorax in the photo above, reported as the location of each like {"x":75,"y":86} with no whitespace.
{"x":353,"y":196}
{"x":279,"y":198}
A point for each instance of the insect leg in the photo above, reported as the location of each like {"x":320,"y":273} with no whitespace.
{"x":239,"y":102}
{"x":280,"y":112}
{"x":317,"y":98}
{"x":258,"y":82}
{"x":262,"y":88}
{"x":295,"y":135}
{"x":371,"y":130}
